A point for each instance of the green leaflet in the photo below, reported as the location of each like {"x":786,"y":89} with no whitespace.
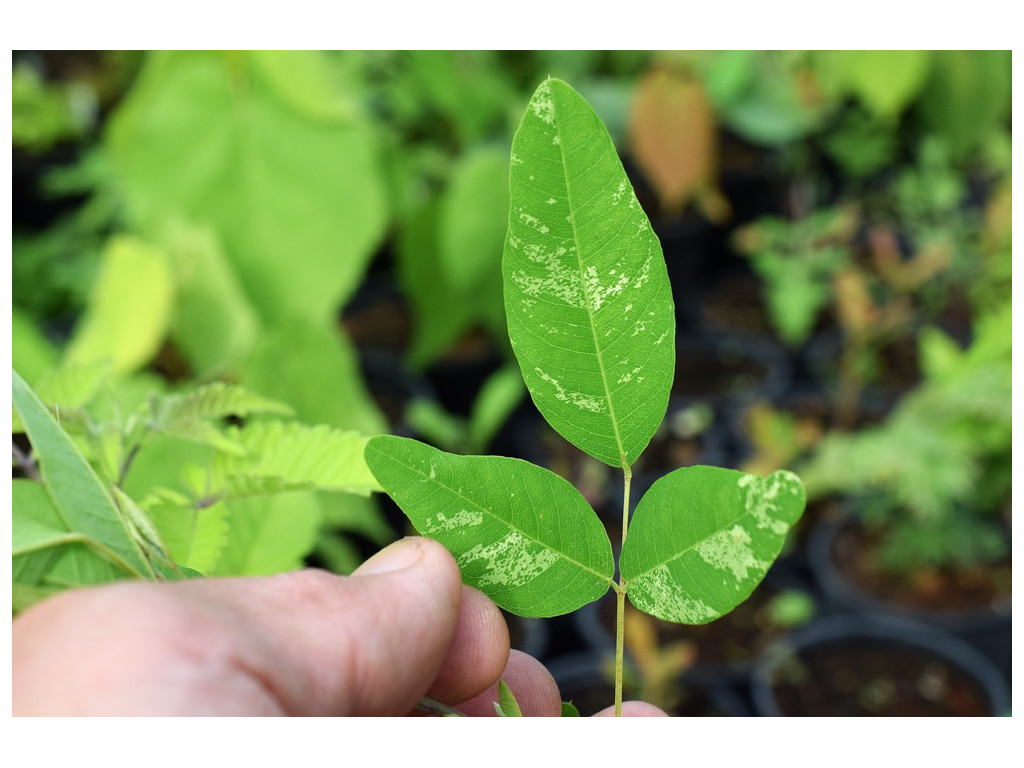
{"x":702,"y":538}
{"x":589,"y":306}
{"x":78,"y":495}
{"x":520,"y":533}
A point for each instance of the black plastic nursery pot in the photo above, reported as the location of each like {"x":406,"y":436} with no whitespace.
{"x":585,"y":679}
{"x":726,"y":369}
{"x":980,"y":620}
{"x":863,"y":666}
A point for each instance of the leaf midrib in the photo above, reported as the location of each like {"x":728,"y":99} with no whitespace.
{"x":588,"y":299}
{"x":483,"y":510}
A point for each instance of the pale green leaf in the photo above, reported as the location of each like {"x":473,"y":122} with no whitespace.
{"x":269,"y":534}
{"x":296,"y":199}
{"x":967,"y":96}
{"x":215,"y":325}
{"x":195,"y":536}
{"x":519,"y":533}
{"x":337,"y":554}
{"x":129,"y":309}
{"x":31,"y":352}
{"x":73,"y":385}
{"x":441,"y":312}
{"x":26,"y":595}
{"x":439,"y":317}
{"x":36,"y":524}
{"x":474,"y":218}
{"x":36,"y":532}
{"x":78,"y":495}
{"x":79,"y":565}
{"x":498,"y":397}
{"x":314,"y":369}
{"x":429,"y":420}
{"x":299,"y":456}
{"x":304,"y":80}
{"x":587,"y":296}
{"x":702,"y":538}
{"x":160,"y":464}
{"x":938,"y":353}
{"x":188,"y":416}
{"x":886,"y":81}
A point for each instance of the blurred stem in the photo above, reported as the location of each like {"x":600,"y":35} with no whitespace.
{"x":850,"y":385}
{"x":25,"y":463}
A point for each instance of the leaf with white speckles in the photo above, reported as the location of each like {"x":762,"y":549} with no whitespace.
{"x":589,"y":305}
{"x":521,"y":534}
{"x":702,"y":538}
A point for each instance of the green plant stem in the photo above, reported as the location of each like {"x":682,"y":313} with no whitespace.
{"x":435,"y":707}
{"x":620,"y":599}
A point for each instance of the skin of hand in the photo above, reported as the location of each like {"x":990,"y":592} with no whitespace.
{"x":401,"y":627}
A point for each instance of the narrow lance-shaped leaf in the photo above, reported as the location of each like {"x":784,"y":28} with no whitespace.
{"x":702,"y":538}
{"x":506,"y":705}
{"x":587,"y":296}
{"x":36,"y":532}
{"x":519,"y":533}
{"x":78,"y":495}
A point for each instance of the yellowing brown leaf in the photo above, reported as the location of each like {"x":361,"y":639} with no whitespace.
{"x":672,"y":138}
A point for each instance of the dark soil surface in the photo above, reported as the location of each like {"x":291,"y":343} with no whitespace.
{"x":736,"y":304}
{"x":871,"y":679}
{"x":719,"y":373}
{"x":952,"y":589}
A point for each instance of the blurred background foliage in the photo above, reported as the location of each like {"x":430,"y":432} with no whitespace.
{"x":306,"y":224}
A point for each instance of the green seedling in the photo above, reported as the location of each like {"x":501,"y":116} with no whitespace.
{"x":592,"y":324}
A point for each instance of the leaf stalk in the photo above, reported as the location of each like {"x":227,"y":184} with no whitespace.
{"x":620,"y":597}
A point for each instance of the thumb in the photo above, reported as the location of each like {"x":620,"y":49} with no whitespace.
{"x":368,"y":644}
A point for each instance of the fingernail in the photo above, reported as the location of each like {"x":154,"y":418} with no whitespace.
{"x":402,"y":554}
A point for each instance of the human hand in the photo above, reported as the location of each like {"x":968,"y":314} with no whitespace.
{"x":402,"y":627}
